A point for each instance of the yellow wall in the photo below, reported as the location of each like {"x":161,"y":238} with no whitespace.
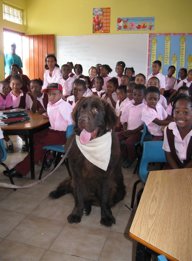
{"x":11,"y":26}
{"x":73,"y":17}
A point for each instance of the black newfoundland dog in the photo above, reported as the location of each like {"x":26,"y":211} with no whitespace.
{"x":94,"y":162}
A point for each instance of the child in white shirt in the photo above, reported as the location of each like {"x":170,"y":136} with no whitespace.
{"x":52,"y":72}
{"x":178,"y":134}
{"x":170,"y":81}
{"x":156,"y":67}
{"x":153,"y":114}
{"x":122,"y":102}
{"x":66,"y":81}
{"x":105,"y":70}
{"x":132,"y":126}
{"x":154,"y":81}
{"x":187,"y":82}
{"x":98,"y":86}
{"x":111,"y":96}
{"x":120,"y":66}
{"x":140,"y":79}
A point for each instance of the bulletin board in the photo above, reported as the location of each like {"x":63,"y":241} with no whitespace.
{"x":170,"y":49}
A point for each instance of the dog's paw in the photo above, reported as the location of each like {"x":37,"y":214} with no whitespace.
{"x":107,"y":221}
{"x":74,"y":218}
{"x":87,"y":210}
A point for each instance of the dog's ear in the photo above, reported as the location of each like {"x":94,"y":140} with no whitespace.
{"x":75,"y":113}
{"x":110,"y":116}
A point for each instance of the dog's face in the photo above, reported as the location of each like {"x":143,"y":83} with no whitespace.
{"x":93,"y":115}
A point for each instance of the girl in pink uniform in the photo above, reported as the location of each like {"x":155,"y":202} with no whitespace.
{"x":59,"y":113}
{"x":5,"y":96}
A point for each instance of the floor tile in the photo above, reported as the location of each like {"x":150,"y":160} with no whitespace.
{"x":55,"y":256}
{"x":4,"y":192}
{"x":54,"y":209}
{"x":117,"y":247}
{"x":121,"y":221}
{"x":8,"y":220}
{"x":39,"y":232}
{"x":12,"y":251}
{"x":80,"y":241}
{"x":20,"y":202}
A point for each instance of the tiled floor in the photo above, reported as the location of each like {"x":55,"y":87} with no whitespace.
{"x":34,"y":227}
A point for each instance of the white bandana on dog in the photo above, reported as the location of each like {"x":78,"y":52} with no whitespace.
{"x":97,"y":151}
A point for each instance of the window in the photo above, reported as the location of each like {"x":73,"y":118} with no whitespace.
{"x":12,"y":14}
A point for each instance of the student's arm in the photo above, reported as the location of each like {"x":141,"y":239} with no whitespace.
{"x":130,"y":132}
{"x":172,"y":163}
{"x":34,"y":105}
{"x":162,"y":122}
{"x":111,"y":99}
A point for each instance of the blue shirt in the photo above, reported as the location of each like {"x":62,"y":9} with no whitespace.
{"x":12,"y":59}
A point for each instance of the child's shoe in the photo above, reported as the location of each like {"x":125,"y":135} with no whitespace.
{"x":12,"y":173}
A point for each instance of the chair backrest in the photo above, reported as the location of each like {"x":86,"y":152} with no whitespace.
{"x":145,"y":135}
{"x":152,"y":152}
{"x":162,"y":258}
{"x":3,"y":152}
{"x":69,"y":131}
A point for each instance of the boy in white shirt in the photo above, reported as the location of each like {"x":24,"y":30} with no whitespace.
{"x":132,"y":126}
{"x":66,"y":81}
{"x":153,"y":114}
{"x":156,"y":67}
{"x":154,"y":81}
{"x":170,"y":81}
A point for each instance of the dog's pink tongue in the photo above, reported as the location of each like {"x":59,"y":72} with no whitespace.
{"x":85,"y":136}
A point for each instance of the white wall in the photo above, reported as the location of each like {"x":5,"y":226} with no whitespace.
{"x":105,"y":49}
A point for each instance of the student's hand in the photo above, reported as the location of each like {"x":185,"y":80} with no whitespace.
{"x":45,"y":115}
{"x":41,"y":111}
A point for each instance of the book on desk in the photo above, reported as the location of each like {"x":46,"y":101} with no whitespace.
{"x":13,"y":116}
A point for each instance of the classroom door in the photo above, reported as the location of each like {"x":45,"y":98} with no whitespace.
{"x":35,"y":49}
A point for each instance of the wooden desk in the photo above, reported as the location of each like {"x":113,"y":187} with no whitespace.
{"x":163,"y":220}
{"x":28,"y":128}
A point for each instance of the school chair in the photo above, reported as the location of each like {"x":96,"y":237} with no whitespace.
{"x":152,"y":153}
{"x":3,"y":156}
{"x":162,"y":258}
{"x":139,"y":146}
{"x":58,"y":150}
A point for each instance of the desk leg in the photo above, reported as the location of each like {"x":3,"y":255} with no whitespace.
{"x":31,"y":153}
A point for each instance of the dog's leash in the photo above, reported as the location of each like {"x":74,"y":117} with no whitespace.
{"x":6,"y":185}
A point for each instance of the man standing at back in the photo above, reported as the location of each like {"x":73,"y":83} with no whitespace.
{"x":12,"y":58}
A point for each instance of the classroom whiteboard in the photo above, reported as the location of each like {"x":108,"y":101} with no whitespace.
{"x":89,"y":50}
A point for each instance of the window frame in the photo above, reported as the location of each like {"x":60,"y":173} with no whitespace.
{"x":15,"y":19}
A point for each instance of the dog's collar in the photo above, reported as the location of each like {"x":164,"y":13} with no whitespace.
{"x":97,"y":151}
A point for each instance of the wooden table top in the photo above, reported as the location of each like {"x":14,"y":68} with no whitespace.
{"x":163,"y":220}
{"x":36,"y":120}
